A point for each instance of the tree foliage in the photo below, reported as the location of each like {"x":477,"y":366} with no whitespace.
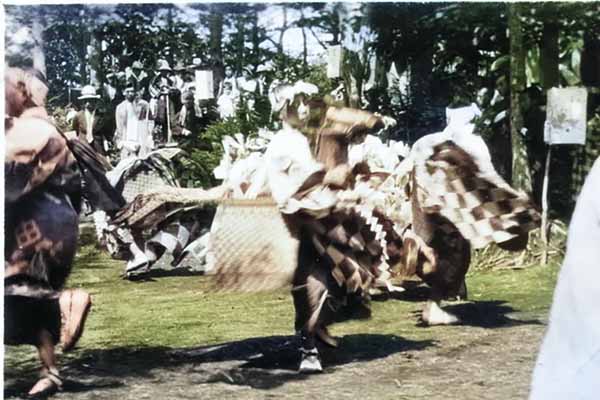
{"x":445,"y":54}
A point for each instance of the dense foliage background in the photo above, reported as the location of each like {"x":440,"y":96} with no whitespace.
{"x":406,"y":60}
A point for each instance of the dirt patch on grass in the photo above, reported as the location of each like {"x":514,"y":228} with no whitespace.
{"x":473,"y":361}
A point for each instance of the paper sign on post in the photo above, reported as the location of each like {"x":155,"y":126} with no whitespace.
{"x":334,"y":61}
{"x":566,"y":116}
{"x":204,"y":85}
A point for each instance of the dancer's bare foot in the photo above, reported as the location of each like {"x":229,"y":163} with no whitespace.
{"x":74,"y":307}
{"x":434,"y":315}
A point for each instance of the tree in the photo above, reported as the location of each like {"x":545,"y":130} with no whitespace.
{"x":521,"y":177}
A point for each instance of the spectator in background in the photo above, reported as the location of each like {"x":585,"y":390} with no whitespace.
{"x":568,"y":366}
{"x":132,"y":116}
{"x":179,"y":77}
{"x":89,"y":124}
{"x":189,"y":79}
{"x":112,"y":96}
{"x":163,"y":91}
{"x":226,"y":102}
{"x":113,"y":88}
{"x":188,"y":121}
{"x":136,"y":76}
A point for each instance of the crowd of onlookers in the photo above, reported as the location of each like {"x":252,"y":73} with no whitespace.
{"x":136,"y":111}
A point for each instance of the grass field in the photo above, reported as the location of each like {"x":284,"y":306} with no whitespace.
{"x":166,"y":325}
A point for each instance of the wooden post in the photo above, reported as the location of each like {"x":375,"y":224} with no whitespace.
{"x":544,"y":228}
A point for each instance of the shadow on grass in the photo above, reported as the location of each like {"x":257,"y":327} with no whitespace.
{"x":488,"y":314}
{"x":483,"y":314}
{"x":261,"y":363}
{"x":153,"y":274}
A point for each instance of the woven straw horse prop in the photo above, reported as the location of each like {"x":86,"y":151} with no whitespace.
{"x":147,"y":232}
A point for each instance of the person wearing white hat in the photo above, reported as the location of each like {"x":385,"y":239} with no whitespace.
{"x":136,"y":76}
{"x":161,"y":78}
{"x":89,"y":123}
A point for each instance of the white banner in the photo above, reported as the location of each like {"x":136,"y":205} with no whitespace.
{"x":566,"y":116}
{"x":204,"y":85}
{"x":334,"y":61}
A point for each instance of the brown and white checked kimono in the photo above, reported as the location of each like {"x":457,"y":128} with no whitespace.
{"x":346,"y":242}
{"x":458,"y":201}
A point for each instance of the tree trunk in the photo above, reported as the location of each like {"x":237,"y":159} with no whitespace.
{"x":304,"y":46}
{"x":549,"y":55}
{"x":216,"y":46}
{"x":240,"y":42}
{"x":284,"y":28}
{"x":83,"y":49}
{"x":521,"y":176}
{"x":255,"y":43}
{"x":535,"y":115}
{"x":37,"y":53}
{"x":336,"y":24}
{"x":420,"y":93}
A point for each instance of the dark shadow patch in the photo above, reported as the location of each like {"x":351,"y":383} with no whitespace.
{"x":271,"y":362}
{"x":483,"y":314}
{"x":488,"y":314}
{"x":161,"y":273}
{"x":261,"y":363}
{"x":153,"y":274}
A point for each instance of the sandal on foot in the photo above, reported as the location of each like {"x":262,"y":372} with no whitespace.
{"x":48,"y":384}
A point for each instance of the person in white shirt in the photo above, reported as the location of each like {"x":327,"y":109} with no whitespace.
{"x":226,"y":102}
{"x":568,"y":365}
{"x":133,"y":135}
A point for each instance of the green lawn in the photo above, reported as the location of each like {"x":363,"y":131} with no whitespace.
{"x":182,"y":311}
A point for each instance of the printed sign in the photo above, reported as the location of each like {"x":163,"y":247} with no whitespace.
{"x":204,"y":85}
{"x":566,"y":116}
{"x":334,"y":61}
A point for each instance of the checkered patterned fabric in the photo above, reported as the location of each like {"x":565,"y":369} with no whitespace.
{"x":357,"y":238}
{"x":255,"y":249}
{"x":356,"y":243}
{"x":480,"y":205}
{"x":148,"y":210}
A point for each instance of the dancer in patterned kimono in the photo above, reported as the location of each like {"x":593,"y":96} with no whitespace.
{"x":458,"y":202}
{"x":346,"y":241}
{"x":456,"y":198}
{"x":42,"y":202}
